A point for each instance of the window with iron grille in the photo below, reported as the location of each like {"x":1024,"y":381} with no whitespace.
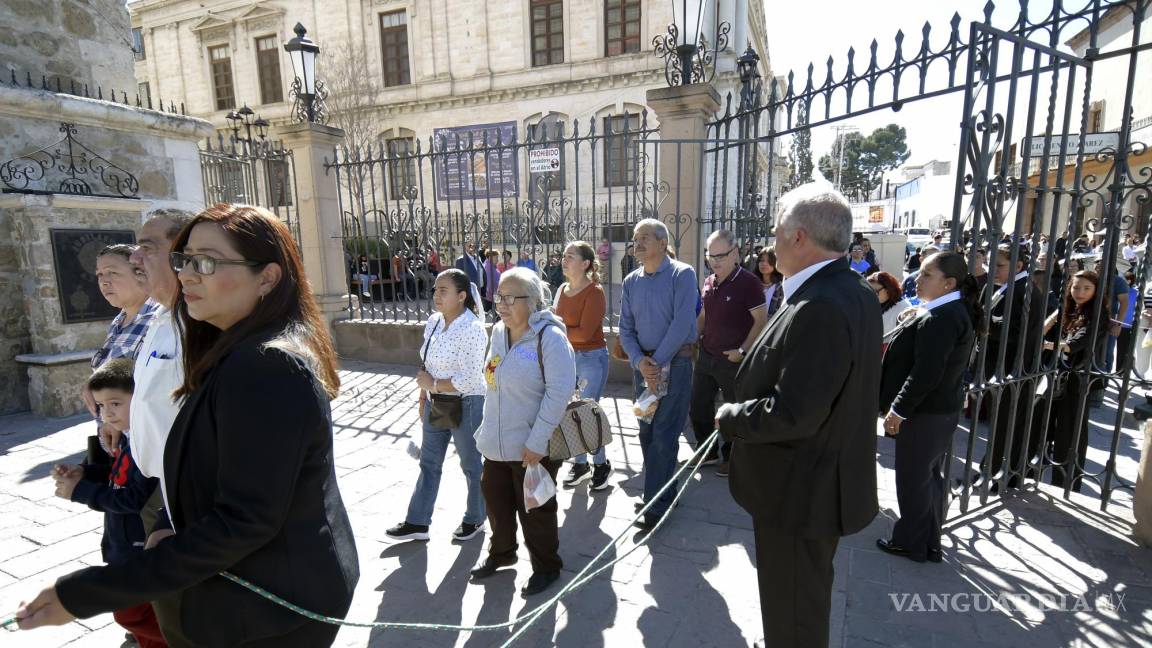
{"x":222,"y":77}
{"x":401,"y":165}
{"x":621,"y":27}
{"x":394,"y":48}
{"x":547,"y":32}
{"x":268,"y":65}
{"x":138,"y":51}
{"x":620,"y":150}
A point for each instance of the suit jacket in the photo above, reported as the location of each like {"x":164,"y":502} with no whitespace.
{"x":252,"y":490}
{"x":804,"y":425}
{"x":475,"y":272}
{"x":923,"y":370}
{"x":1004,"y":328}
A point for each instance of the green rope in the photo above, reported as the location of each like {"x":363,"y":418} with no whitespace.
{"x":586,"y":574}
{"x":692,"y":466}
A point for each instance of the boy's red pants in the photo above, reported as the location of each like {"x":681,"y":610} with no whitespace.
{"x":140,"y":620}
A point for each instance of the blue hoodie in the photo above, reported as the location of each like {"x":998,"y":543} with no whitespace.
{"x":519,"y":410}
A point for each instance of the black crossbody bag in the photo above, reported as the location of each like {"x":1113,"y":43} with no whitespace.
{"x":446,"y":410}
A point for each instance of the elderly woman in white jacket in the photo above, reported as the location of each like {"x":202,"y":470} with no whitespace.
{"x":531,"y":377}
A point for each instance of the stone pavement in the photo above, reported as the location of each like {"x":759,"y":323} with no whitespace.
{"x":693,"y":585}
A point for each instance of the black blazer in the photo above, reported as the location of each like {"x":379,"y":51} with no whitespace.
{"x":924,"y":366}
{"x":804,"y":425}
{"x":1004,"y":328}
{"x":252,"y":490}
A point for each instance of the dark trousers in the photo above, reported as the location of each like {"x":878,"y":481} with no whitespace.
{"x":503,"y":486}
{"x":921,"y":447}
{"x":1064,"y":425}
{"x":1016,"y":426}
{"x":712,"y":374}
{"x":795,"y":579}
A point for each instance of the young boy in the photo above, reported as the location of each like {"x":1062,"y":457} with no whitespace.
{"x":118,"y":491}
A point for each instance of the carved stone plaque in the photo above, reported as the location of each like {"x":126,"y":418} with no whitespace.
{"x":74,"y":260}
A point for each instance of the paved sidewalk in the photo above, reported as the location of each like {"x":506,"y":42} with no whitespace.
{"x":693,"y":585}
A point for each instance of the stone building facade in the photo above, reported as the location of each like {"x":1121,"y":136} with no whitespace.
{"x":436,"y":64}
{"x":44,"y":352}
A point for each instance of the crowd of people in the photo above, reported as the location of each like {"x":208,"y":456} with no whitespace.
{"x":792,"y":352}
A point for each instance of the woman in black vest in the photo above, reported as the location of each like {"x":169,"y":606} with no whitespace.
{"x":1069,"y":411}
{"x":921,"y":392}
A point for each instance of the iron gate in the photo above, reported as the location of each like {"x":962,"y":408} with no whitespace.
{"x":252,"y":171}
{"x":409,"y":207}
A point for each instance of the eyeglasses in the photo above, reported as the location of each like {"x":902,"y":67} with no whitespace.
{"x":507,"y":300}
{"x":203,"y":264}
{"x":717,"y":257}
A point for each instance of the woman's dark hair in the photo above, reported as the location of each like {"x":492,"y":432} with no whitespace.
{"x":1076,"y":317}
{"x":889,"y":284}
{"x":954,"y":266}
{"x":289,"y":308}
{"x":462,"y":284}
{"x":588,"y":254}
{"x":769,"y":253}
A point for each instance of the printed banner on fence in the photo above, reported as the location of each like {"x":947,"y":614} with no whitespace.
{"x":476,"y":162}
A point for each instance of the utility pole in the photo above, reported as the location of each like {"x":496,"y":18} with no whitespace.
{"x":841,"y":131}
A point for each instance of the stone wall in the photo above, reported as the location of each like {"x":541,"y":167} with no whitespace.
{"x":158,"y":149}
{"x":86,"y":41}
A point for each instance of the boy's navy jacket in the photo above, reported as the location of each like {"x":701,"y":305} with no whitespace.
{"x":119,"y":492}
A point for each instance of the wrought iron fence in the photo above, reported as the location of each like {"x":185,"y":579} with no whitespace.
{"x":252,"y":171}
{"x":410,"y":208}
{"x":1020,"y":85}
{"x":69,"y":86}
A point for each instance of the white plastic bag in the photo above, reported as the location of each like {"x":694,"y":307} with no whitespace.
{"x":538,"y":487}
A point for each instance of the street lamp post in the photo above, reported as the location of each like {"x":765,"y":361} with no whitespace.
{"x":309,"y":92}
{"x":688,"y":55}
{"x":247,"y":119}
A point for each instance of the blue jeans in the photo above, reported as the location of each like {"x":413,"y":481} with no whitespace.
{"x":433,"y":447}
{"x":660,"y":439}
{"x":592,"y":366}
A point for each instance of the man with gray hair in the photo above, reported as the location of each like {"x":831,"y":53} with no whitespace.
{"x":658,"y":332}
{"x":732,"y":316}
{"x":804,"y":420}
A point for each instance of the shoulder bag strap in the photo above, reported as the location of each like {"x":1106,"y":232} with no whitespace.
{"x":427,"y":343}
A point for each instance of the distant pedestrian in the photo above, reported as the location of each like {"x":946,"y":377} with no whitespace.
{"x":581,"y":304}
{"x":770,"y":279}
{"x":922,"y":389}
{"x":531,"y":375}
{"x":451,"y":381}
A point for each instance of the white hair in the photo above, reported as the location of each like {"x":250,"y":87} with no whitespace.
{"x":538,"y":292}
{"x":821,"y":211}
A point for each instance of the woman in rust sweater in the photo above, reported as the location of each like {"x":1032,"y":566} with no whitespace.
{"x":581,"y":305}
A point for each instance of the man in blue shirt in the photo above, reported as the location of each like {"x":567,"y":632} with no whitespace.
{"x":658,"y":330}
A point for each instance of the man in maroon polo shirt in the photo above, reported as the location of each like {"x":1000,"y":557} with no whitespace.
{"x":733,"y":315}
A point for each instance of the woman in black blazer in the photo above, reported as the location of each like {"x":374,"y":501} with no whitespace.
{"x":251,"y":481}
{"x":922,"y":389}
{"x":1076,"y":348}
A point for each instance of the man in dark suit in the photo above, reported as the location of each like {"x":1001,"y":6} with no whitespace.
{"x":804,"y":451}
{"x":1015,"y":318}
{"x":473,"y":267}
